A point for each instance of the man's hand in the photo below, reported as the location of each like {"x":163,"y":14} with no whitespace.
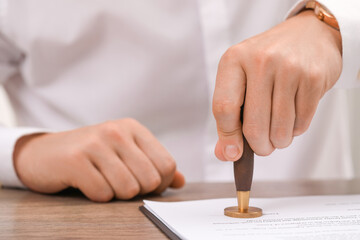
{"x":115,"y":159}
{"x":285,"y":72}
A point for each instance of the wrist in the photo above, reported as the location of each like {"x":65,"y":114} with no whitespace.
{"x":19,"y":154}
{"x":333,"y":34}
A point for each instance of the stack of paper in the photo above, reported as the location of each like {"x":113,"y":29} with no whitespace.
{"x":295,"y":218}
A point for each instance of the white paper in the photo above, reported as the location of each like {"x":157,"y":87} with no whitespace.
{"x":294,"y":218}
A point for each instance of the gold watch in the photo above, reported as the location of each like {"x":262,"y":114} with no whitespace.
{"x":323,"y":14}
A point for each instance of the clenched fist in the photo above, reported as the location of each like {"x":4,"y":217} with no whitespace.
{"x":284,"y":72}
{"x":119,"y":159}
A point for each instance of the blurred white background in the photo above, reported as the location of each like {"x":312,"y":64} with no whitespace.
{"x":354,"y":100}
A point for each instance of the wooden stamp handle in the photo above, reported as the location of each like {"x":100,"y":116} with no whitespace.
{"x":244,"y":167}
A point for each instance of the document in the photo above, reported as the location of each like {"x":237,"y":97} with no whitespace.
{"x":291,"y":218}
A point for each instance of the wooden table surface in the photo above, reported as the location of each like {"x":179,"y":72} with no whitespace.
{"x":27,"y":215}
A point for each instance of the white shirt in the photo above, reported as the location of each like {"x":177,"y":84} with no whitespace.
{"x":66,"y":64}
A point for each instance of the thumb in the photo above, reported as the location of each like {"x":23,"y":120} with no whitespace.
{"x":229,"y":96}
{"x":178,"y":181}
{"x":230,"y":144}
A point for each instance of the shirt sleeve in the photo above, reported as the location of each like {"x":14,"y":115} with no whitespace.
{"x":8,"y":139}
{"x":347,"y":14}
{"x":10,"y":59}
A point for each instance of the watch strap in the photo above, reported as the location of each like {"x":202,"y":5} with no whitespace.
{"x":323,"y":14}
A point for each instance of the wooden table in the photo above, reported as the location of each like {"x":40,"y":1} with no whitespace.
{"x":26,"y":215}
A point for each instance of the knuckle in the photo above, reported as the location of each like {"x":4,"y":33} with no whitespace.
{"x":316,"y":84}
{"x":152,"y":183}
{"x":76,"y":157}
{"x":108,"y":128}
{"x":264,"y":57}
{"x":291,"y":65}
{"x":130,"y":122}
{"x":130,"y":192}
{"x":169,"y":167}
{"x":232,"y":53}
{"x":315,"y":74}
{"x":225,"y":133}
{"x":111,"y":130}
{"x":225,"y":107}
{"x":155,"y":182}
{"x":92,"y":143}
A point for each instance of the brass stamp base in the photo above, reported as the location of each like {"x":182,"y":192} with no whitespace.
{"x":252,"y":212}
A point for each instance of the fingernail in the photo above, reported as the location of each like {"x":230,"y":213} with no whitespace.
{"x":231,"y":151}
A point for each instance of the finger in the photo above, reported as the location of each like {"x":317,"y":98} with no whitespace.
{"x":227,"y":101}
{"x":140,"y":166}
{"x":158,"y":155}
{"x":306,"y":102}
{"x":123,"y":183}
{"x":91,"y":182}
{"x":178,"y":181}
{"x":257,"y":111}
{"x":283,"y":109}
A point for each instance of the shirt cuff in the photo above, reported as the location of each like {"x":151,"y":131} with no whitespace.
{"x":8,"y":139}
{"x":348,"y":17}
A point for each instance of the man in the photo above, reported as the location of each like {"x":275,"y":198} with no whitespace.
{"x":92,"y":78}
